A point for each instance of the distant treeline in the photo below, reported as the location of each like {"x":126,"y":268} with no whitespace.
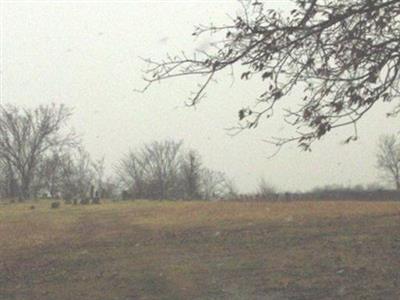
{"x":41,"y":157}
{"x":166,"y":170}
{"x":327,"y":195}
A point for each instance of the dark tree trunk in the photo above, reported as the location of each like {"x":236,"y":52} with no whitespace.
{"x":25,"y":188}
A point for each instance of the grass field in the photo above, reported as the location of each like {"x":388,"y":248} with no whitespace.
{"x":199,"y":250}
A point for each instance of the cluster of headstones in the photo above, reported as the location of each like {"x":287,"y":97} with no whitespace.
{"x":94,"y":198}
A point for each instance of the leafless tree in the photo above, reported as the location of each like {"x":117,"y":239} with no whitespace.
{"x":264,"y":189}
{"x":213,"y":185}
{"x":8,"y":180}
{"x":99,"y":169}
{"x":152,"y":171}
{"x":50,"y":172}
{"x":388,"y":159}
{"x":165,"y":170}
{"x":27,"y":135}
{"x":78,"y":174}
{"x":110,"y":188}
{"x":131,"y":173}
{"x":231,"y":189}
{"x":161,"y":163}
{"x":344,"y":55}
{"x":190,"y":170}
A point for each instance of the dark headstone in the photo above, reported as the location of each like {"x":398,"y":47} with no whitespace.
{"x":55,"y":204}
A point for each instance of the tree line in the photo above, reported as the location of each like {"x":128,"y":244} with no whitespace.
{"x":165,"y":170}
{"x":40,"y":156}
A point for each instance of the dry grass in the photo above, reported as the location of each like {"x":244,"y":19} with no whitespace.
{"x":183,"y":250}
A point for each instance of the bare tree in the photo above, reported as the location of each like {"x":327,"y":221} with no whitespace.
{"x":110,"y":188}
{"x":27,"y":135}
{"x":264,"y":189}
{"x":213,"y":185}
{"x":50,"y":172}
{"x":131,"y":173}
{"x":388,"y":159}
{"x":231,"y":190}
{"x":344,"y":55}
{"x":153,"y":171}
{"x":191,"y":168}
{"x":99,"y":169}
{"x":8,"y":180}
{"x":164,"y":170}
{"x":161,"y":163}
{"x":78,"y":175}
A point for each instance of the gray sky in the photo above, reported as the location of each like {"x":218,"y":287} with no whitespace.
{"x":85,"y":54}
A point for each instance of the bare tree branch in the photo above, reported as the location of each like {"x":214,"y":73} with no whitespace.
{"x":344,"y":55}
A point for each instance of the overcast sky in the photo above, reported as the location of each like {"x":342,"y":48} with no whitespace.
{"x":86,"y":54}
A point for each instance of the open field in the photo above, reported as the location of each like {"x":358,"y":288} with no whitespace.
{"x":183,"y":250}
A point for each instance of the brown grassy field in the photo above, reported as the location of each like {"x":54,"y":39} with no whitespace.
{"x":199,"y":250}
